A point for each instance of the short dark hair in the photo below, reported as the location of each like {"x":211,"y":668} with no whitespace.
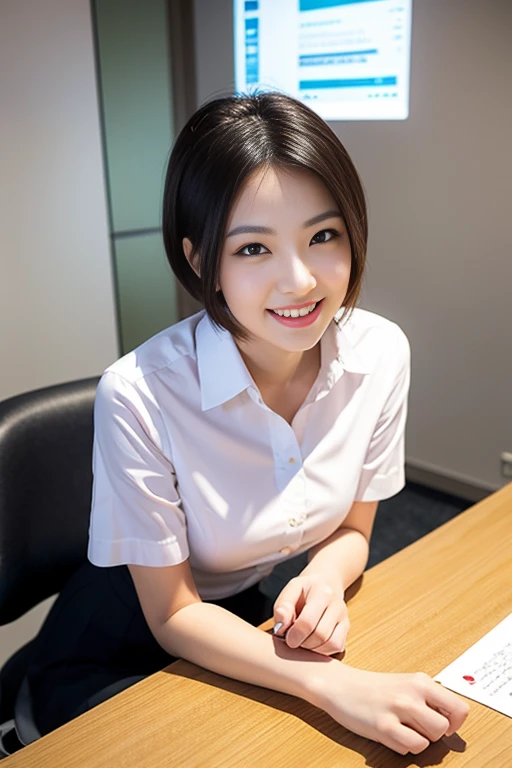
{"x":221,"y":145}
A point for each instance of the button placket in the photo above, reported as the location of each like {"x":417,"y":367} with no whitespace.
{"x":295,"y":522}
{"x":294,"y":511}
{"x":280,"y":445}
{"x":293,"y":538}
{"x":290,"y":482}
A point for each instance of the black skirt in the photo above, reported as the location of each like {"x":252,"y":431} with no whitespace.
{"x":95,"y":643}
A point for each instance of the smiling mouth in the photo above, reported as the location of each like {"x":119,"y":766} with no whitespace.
{"x":296,"y":312}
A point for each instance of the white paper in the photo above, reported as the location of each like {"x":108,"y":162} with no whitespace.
{"x":484,"y":672}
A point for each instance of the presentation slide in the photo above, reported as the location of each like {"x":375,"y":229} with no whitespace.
{"x":346,"y":59}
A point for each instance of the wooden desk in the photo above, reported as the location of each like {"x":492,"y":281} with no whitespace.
{"x":418,"y":610}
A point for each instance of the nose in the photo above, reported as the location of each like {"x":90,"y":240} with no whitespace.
{"x":295,"y":277}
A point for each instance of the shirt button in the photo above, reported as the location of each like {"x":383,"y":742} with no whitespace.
{"x":291,"y":460}
{"x":286,"y":551}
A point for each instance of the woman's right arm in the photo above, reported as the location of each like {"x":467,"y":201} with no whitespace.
{"x":404,"y":712}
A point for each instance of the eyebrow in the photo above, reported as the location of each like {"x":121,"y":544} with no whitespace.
{"x":245,"y":229}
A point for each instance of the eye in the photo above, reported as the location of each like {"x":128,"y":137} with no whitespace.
{"x":324,"y":236}
{"x":253,"y":249}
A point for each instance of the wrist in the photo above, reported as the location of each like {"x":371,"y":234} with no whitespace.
{"x":325,"y":683}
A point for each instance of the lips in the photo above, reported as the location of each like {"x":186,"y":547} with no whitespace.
{"x":301,"y":321}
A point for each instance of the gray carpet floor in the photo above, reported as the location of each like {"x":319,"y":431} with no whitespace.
{"x":408,"y":516}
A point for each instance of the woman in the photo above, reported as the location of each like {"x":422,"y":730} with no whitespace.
{"x":268,"y":425}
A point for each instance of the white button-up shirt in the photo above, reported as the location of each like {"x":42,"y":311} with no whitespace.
{"x":189,"y":462}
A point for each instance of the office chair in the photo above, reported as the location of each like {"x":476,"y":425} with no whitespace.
{"x":45,"y":495}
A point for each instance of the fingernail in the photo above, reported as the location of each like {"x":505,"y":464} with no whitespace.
{"x":277,"y":627}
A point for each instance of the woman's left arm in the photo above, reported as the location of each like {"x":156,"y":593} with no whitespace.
{"x":311,"y":608}
{"x":342,"y":557}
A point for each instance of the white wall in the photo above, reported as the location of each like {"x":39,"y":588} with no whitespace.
{"x":56,"y":292}
{"x":439,"y":187}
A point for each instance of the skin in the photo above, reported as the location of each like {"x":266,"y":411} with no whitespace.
{"x":296,"y":264}
{"x":287,"y":245}
{"x":259,"y":271}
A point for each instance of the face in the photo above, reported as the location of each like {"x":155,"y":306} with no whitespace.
{"x":286,"y":252}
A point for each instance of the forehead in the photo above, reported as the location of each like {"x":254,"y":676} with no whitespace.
{"x":273,"y":191}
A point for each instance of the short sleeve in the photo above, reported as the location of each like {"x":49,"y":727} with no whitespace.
{"x":136,"y":516}
{"x":383,"y":471}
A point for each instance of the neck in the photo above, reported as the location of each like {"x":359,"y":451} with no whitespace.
{"x":276,"y":369}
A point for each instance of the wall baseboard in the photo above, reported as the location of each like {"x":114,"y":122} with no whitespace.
{"x":446,"y":482}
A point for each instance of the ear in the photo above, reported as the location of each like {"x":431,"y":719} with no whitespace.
{"x":192,"y":258}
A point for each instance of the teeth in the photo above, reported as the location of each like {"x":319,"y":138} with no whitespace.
{"x":295,"y":312}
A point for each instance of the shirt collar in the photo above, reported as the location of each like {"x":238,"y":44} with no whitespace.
{"x":223,"y":374}
{"x":337,"y":356}
{"x":343,"y":351}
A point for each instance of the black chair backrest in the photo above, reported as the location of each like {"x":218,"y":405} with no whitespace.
{"x":45,"y":491}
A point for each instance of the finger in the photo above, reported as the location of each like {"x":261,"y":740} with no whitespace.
{"x":334,"y":620}
{"x":285,"y":606}
{"x":317,"y":602}
{"x":336,"y":642}
{"x":407,"y":740}
{"x":429,"y":722}
{"x":449,"y":705}
{"x":331,"y":632}
{"x":283,"y":618}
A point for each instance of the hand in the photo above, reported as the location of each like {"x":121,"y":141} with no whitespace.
{"x":312,"y":615}
{"x":402,"y":711}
